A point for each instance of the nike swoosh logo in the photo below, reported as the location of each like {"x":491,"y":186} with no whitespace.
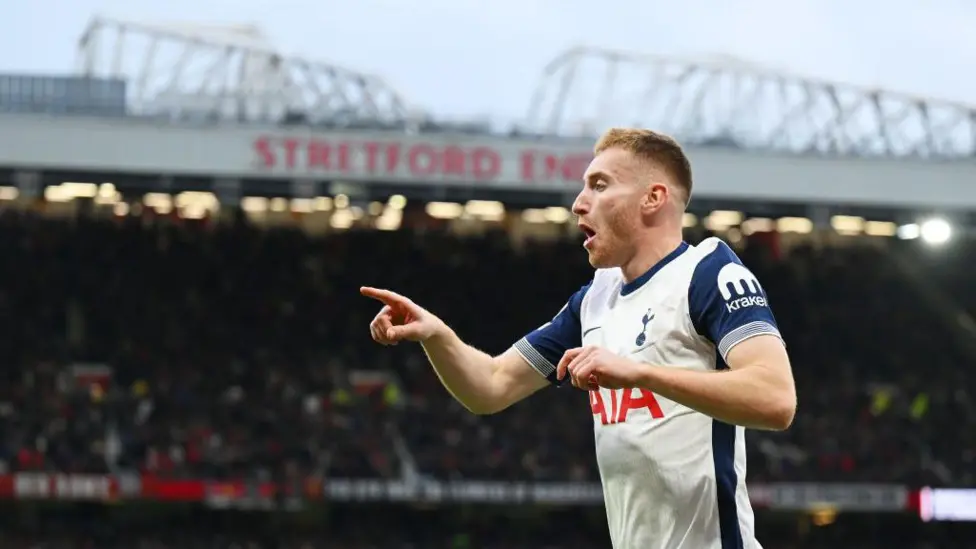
{"x":591,"y":329}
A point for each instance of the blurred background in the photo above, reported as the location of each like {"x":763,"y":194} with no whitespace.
{"x":188,"y":205}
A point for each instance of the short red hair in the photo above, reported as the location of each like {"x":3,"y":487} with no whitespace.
{"x":657,"y":148}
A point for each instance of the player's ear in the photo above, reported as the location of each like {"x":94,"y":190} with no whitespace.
{"x":655,"y":196}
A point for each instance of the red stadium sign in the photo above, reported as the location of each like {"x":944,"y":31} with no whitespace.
{"x":414,"y":159}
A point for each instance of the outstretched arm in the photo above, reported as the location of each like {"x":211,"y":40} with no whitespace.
{"x":480,"y":382}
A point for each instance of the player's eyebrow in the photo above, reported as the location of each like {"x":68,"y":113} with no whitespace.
{"x":595,"y":176}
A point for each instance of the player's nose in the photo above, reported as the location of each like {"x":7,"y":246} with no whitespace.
{"x":581,"y":206}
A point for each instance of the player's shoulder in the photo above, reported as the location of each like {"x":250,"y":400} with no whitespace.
{"x":716,"y":267}
{"x":714,"y":250}
{"x":720,"y":272}
{"x":713,"y":256}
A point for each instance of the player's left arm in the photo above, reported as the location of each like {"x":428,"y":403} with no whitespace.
{"x":752,"y":384}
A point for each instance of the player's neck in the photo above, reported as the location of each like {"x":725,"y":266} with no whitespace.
{"x":650,"y":253}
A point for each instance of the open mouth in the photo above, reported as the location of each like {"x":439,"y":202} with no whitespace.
{"x":589,"y":233}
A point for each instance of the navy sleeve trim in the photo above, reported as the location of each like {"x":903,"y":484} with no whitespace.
{"x":534,"y":358}
{"x":744,"y":332}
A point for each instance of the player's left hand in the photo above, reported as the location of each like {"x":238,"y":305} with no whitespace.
{"x":593,"y":367}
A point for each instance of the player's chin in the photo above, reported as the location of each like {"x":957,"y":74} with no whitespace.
{"x":599,"y":260}
{"x":598,"y":253}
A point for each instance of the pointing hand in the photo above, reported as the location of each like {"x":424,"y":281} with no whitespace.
{"x":400,"y":319}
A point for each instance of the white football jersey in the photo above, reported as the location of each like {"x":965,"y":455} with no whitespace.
{"x":673,"y":478}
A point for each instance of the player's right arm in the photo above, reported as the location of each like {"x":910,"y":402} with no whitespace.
{"x":480,"y":382}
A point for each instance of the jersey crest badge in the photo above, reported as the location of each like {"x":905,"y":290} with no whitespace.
{"x":645,"y":320}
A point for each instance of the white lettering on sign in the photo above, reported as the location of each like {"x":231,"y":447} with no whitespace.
{"x":58,"y":486}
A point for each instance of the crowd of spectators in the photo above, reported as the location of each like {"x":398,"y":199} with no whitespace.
{"x":230,"y":351}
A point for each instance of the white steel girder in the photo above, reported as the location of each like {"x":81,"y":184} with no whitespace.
{"x":215,"y":73}
{"x":729,"y":102}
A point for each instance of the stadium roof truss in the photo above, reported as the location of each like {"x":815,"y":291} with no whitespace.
{"x":725,"y":101}
{"x":228,"y":73}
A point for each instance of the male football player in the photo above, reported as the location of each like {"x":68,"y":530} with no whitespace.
{"x":675,"y":343}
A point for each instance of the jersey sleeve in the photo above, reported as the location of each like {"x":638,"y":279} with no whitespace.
{"x":543,"y":347}
{"x":727,"y":303}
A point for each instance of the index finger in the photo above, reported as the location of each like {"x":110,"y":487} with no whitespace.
{"x":387,"y":297}
{"x":568,"y":357}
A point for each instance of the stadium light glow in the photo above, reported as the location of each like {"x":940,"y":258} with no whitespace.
{"x":910,"y":231}
{"x":936,"y":231}
{"x":489,"y":210}
{"x":341,"y":219}
{"x":880,"y":228}
{"x":107,"y":195}
{"x":847,"y":224}
{"x":444,"y":210}
{"x":193,"y":211}
{"x":80,"y":190}
{"x":254,"y":204}
{"x":162,"y":203}
{"x":278,"y":204}
{"x":9,"y":193}
{"x":555,"y":214}
{"x":398,"y":201}
{"x":799,"y":225}
{"x":301,"y":205}
{"x":390,"y":219}
{"x":534,"y":215}
{"x":322,"y":204}
{"x":758,"y":224}
{"x":720,"y":220}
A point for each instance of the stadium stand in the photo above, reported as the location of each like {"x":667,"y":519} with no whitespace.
{"x":241,"y":352}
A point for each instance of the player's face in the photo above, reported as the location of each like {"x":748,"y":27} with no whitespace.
{"x":608,"y":207}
